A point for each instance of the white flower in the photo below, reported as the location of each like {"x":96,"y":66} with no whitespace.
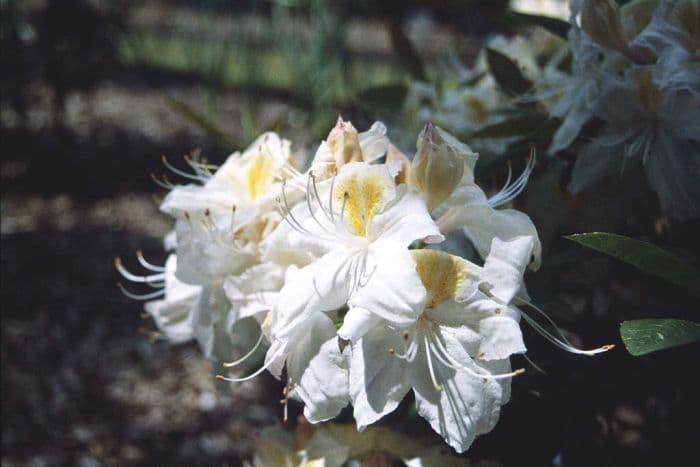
{"x":454,"y":356}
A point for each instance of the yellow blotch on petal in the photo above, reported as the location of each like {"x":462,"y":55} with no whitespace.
{"x":364,"y":193}
{"x":442,"y":274}
{"x":261,"y":174}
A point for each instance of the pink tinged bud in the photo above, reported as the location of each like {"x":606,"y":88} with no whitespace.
{"x":344,"y":143}
{"x":438,"y":166}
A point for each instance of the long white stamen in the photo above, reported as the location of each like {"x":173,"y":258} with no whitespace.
{"x":146,"y":264}
{"x":330,"y":196}
{"x":438,"y":387}
{"x":179,"y":172}
{"x":260,"y":370}
{"x":546,"y":317}
{"x":410,"y":352}
{"x":148,"y":296}
{"x":511,"y":191}
{"x":453,"y":363}
{"x":163,"y":184}
{"x":247,"y":355}
{"x":562,"y":345}
{"x":318,"y":198}
{"x":133,"y":277}
{"x":311,"y":211}
{"x":288,"y":211}
{"x":534,"y":365}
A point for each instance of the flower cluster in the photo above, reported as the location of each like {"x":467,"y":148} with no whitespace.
{"x":636,"y":70}
{"x":328,"y":271}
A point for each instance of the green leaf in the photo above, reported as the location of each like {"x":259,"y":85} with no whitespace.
{"x":382,"y":99}
{"x":556,"y":26}
{"x":522,"y":125}
{"x":507,"y":73}
{"x":202,"y":121}
{"x":644,"y":256}
{"x":643,"y":336}
{"x":406,"y":53}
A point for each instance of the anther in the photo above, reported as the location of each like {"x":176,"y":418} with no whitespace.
{"x":405,"y":335}
{"x":480,"y":355}
{"x":498,"y":311}
{"x":392,"y":351}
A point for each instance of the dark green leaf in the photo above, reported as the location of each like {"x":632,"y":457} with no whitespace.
{"x":556,"y":26}
{"x":522,"y":125}
{"x":643,"y":336}
{"x":507,"y":73}
{"x":202,"y":121}
{"x":382,"y":99}
{"x":644,"y":256}
{"x":406,"y":53}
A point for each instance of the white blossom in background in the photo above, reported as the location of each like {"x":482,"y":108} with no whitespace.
{"x":552,"y":8}
{"x":468,"y":99}
{"x":636,"y":68}
{"x":326,"y":273}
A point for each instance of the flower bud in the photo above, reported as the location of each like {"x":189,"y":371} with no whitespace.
{"x":600,"y":19}
{"x":438,"y":166}
{"x":344,"y":143}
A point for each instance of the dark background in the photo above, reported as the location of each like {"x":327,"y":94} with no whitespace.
{"x":93,"y":93}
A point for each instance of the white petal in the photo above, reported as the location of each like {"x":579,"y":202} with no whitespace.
{"x":378,"y":380}
{"x":374,"y":142}
{"x":356,"y":322}
{"x":482,"y":224}
{"x":390,"y":286}
{"x":195,"y":198}
{"x":174,"y":320}
{"x":255,"y":290}
{"x":466,"y":406}
{"x":406,"y":219}
{"x":323,"y":285}
{"x":208,"y":317}
{"x":206,"y":256}
{"x":500,"y":331}
{"x":505,"y":265}
{"x":318,"y":371}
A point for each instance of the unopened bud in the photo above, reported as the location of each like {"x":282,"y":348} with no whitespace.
{"x":600,"y":19}
{"x":344,"y":143}
{"x":438,"y":166}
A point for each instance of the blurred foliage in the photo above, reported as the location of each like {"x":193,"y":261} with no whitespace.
{"x":65,"y":43}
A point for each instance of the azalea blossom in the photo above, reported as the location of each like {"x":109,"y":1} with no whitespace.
{"x":454,"y":356}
